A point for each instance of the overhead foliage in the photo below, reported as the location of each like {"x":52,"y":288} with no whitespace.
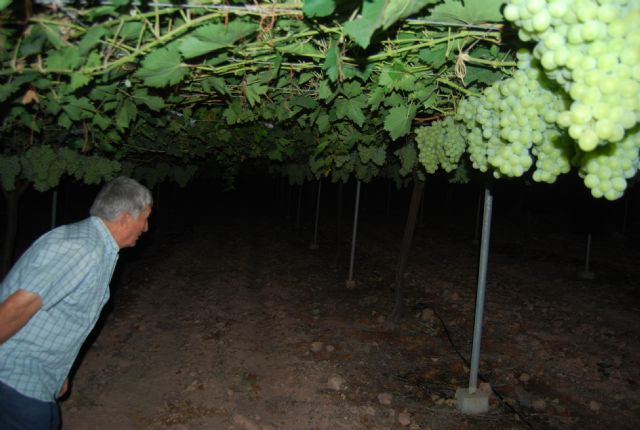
{"x":144,"y":83}
{"x":329,"y":88}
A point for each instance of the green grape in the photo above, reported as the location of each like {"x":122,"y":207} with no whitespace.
{"x":552,"y":157}
{"x":440,"y":145}
{"x":606,"y":169}
{"x":454,"y":145}
{"x":428,"y":141}
{"x":502,"y":130}
{"x":477,"y":146}
{"x":592,"y":49}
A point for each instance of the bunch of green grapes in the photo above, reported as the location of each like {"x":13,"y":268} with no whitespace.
{"x":478,"y":147}
{"x":428,"y":140}
{"x":454,"y":145}
{"x":511,"y":118}
{"x":592,"y":48}
{"x":42,"y":167}
{"x":606,"y":169}
{"x":553,"y":157}
{"x":440,"y":144}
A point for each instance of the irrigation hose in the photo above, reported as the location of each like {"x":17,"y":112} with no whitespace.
{"x":520,"y":414}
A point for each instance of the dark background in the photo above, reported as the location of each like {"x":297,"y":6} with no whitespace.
{"x":522,"y":210}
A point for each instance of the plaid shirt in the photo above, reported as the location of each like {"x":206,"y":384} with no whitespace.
{"x":70,"y":267}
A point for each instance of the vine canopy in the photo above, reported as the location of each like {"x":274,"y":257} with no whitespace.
{"x":331,"y":88}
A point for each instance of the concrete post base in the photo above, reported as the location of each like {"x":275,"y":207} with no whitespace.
{"x":471,"y":403}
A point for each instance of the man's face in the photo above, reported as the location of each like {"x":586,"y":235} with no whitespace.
{"x":134,"y":227}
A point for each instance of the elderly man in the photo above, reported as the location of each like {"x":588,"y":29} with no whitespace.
{"x":52,"y":298}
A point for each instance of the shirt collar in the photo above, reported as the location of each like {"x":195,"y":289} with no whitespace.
{"x":105,"y":234}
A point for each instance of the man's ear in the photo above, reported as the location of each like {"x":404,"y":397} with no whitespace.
{"x":123,"y":219}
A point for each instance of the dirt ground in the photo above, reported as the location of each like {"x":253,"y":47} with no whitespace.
{"x":237,"y":324}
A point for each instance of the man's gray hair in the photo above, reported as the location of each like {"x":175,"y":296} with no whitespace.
{"x":121,"y":195}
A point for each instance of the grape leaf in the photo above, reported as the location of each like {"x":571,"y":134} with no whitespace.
{"x":375,"y":154}
{"x":109,"y":106}
{"x":131,"y":30}
{"x":53,"y":36}
{"x":361,"y":29}
{"x":324,"y":91}
{"x":304,"y":101}
{"x":426,"y":96}
{"x":320,"y":8}
{"x":52,"y":106}
{"x":350,"y":108}
{"x":64,"y":120}
{"x":162,"y":67}
{"x":42,"y":83}
{"x":303,"y":49}
{"x":380,"y":13}
{"x":435,"y":56}
{"x":482,"y":75}
{"x":472,"y":11}
{"x":126,"y":114}
{"x":275,"y":69}
{"x":78,"y":80}
{"x":363,"y":74}
{"x":212,"y":37}
{"x":102,"y":93}
{"x":4,"y":4}
{"x":254,"y":91}
{"x":63,"y":59}
{"x":78,"y":108}
{"x":7,"y":89}
{"x":333,"y":63}
{"x":323,"y":122}
{"x":399,"y":9}
{"x":93,"y":59}
{"x":236,"y":113}
{"x":379,"y":155}
{"x":33,"y":42}
{"x":218,"y":84}
{"x":305,"y":77}
{"x":30,"y":121}
{"x":91,"y":39}
{"x":101,"y":121}
{"x":398,"y":121}
{"x":351,"y":89}
{"x":153,"y":102}
{"x":375,"y":97}
{"x":393,"y":100}
{"x":396,"y":77}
